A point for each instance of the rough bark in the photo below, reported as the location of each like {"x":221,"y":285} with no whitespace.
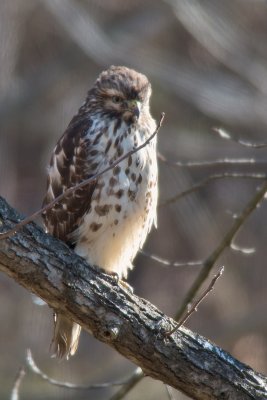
{"x":131,"y":325}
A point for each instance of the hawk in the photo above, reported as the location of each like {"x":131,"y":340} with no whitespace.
{"x":106,"y":222}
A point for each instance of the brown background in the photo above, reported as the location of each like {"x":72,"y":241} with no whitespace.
{"x":207,"y":61}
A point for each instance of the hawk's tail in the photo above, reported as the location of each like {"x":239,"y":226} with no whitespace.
{"x":66,"y":337}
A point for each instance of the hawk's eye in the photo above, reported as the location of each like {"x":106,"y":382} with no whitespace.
{"x":116,"y":99}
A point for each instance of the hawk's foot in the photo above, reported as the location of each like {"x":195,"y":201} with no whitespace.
{"x":126,"y":286}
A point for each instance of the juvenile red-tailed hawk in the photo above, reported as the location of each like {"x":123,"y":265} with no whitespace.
{"x":106,"y":222}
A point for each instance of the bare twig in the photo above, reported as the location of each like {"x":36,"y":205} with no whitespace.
{"x":35,"y":369}
{"x":136,"y":377}
{"x":212,"y":163}
{"x":226,"y":242}
{"x":195,"y":305}
{"x":19,"y":378}
{"x":169,"y":263}
{"x":243,"y":250}
{"x":4,"y":235}
{"x":226,"y":135}
{"x":209,"y":179}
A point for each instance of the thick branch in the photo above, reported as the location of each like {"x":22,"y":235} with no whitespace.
{"x":131,"y":325}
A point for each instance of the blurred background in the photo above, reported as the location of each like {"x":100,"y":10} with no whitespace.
{"x":207,"y":61}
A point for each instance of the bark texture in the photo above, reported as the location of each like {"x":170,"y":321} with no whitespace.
{"x":131,"y":325}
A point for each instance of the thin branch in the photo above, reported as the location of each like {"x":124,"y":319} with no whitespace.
{"x":4,"y":235}
{"x":226,"y":135}
{"x":243,"y":250}
{"x":195,"y":305}
{"x":136,"y":377}
{"x":209,"y":179}
{"x":212,"y":163}
{"x":169,"y":263}
{"x":36,"y":370}
{"x":226,"y":242}
{"x":19,"y":378}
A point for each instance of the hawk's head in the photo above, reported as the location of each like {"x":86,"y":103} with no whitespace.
{"x":120,"y":92}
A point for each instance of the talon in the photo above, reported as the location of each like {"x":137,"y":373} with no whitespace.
{"x":126,"y":286}
{"x":116,"y":277}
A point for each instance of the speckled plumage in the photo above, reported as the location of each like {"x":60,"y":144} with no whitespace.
{"x":108,"y":221}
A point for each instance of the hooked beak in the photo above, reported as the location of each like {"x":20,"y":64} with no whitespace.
{"x":134,"y":107}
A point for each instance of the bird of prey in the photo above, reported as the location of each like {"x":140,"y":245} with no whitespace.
{"x":106,"y":222}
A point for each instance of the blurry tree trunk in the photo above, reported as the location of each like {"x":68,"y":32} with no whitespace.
{"x":129,"y":324}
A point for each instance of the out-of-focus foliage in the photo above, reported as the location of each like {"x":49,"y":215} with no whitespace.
{"x":207,"y":61}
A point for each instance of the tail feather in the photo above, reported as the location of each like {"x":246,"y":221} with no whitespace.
{"x":66,"y":337}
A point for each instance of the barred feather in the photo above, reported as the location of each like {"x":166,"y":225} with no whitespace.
{"x":108,"y":221}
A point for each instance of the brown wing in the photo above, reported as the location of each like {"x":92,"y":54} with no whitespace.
{"x":72,"y":161}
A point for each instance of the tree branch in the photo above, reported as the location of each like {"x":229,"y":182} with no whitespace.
{"x":136,"y":377}
{"x":226,"y":135}
{"x":32,"y":366}
{"x":224,"y":243}
{"x":19,"y":378}
{"x":213,"y":163}
{"x":195,"y":305}
{"x":129,"y":324}
{"x":202,"y":183}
